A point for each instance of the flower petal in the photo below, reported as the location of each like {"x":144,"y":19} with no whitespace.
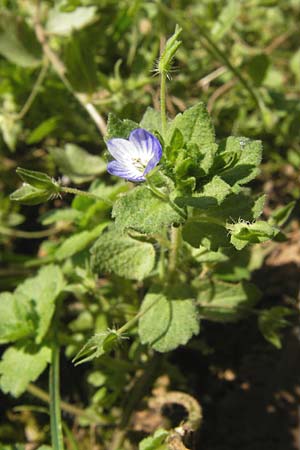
{"x":121,"y":149}
{"x":146,"y":143}
{"x":151,"y":164}
{"x":122,"y":170}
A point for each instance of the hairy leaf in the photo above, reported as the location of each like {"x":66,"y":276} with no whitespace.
{"x":19,"y":366}
{"x":224,"y":302}
{"x":142,"y":211}
{"x":78,"y":242}
{"x":244,"y":156}
{"x":41,"y":292}
{"x":205,"y":233}
{"x":151,"y":120}
{"x":117,"y":128}
{"x":64,"y":23}
{"x":195,"y":126}
{"x":79,"y":165}
{"x":122,"y":255}
{"x":167,"y":321}
{"x":15,"y":320}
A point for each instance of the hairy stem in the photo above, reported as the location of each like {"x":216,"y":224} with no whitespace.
{"x":214,"y":49}
{"x":75,"y":191}
{"x":163,"y":109}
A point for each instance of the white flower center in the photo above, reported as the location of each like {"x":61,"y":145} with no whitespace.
{"x":139,"y":164}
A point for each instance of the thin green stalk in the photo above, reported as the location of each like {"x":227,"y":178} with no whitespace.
{"x":75,"y":191}
{"x":175,"y":245}
{"x":165,"y":198}
{"x":67,"y":407}
{"x":156,"y":191}
{"x":128,"y":325}
{"x":27,"y":234}
{"x":163,"y":109}
{"x":212,"y":48}
{"x":55,"y":412}
{"x":35,"y":90}
{"x":60,"y":69}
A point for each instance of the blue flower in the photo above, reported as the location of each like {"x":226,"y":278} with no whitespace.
{"x":135,"y":157}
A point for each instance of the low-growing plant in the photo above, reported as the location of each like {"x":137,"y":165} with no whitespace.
{"x":138,"y":266}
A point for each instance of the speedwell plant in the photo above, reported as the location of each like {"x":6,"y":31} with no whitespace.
{"x":162,"y":243}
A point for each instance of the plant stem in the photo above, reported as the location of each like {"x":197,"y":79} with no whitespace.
{"x":60,"y":70}
{"x":213,"y":48}
{"x":134,"y":396}
{"x":27,"y":234}
{"x":175,"y":245}
{"x":55,"y":413}
{"x":75,"y":191}
{"x":128,"y":325}
{"x":71,"y":409}
{"x":163,"y":109}
{"x":156,"y":191}
{"x":165,"y":198}
{"x":35,"y":90}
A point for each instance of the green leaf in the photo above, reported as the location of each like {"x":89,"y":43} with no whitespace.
{"x":142,"y":211}
{"x":43,"y":130}
{"x":119,"y":128}
{"x":282,"y":214}
{"x":17,"y":41}
{"x":243,"y":233}
{"x":207,"y":234}
{"x":234,"y":207}
{"x":60,"y":215}
{"x":195,"y":126}
{"x":19,"y":366}
{"x":80,"y":63}
{"x":203,"y":255}
{"x":64,"y":23}
{"x":213,"y":194}
{"x":122,"y":255}
{"x":271,"y":321}
{"x":11,"y":129}
{"x":151,"y":120}
{"x":77,"y":164}
{"x":38,"y":180}
{"x":224,"y":302}
{"x":29,"y":195}
{"x":168,"y":320}
{"x":257,"y":68}
{"x":226,"y":19}
{"x":78,"y":242}
{"x":41,"y":292}
{"x":155,"y":442}
{"x":245,"y":157}
{"x":15,"y":320}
